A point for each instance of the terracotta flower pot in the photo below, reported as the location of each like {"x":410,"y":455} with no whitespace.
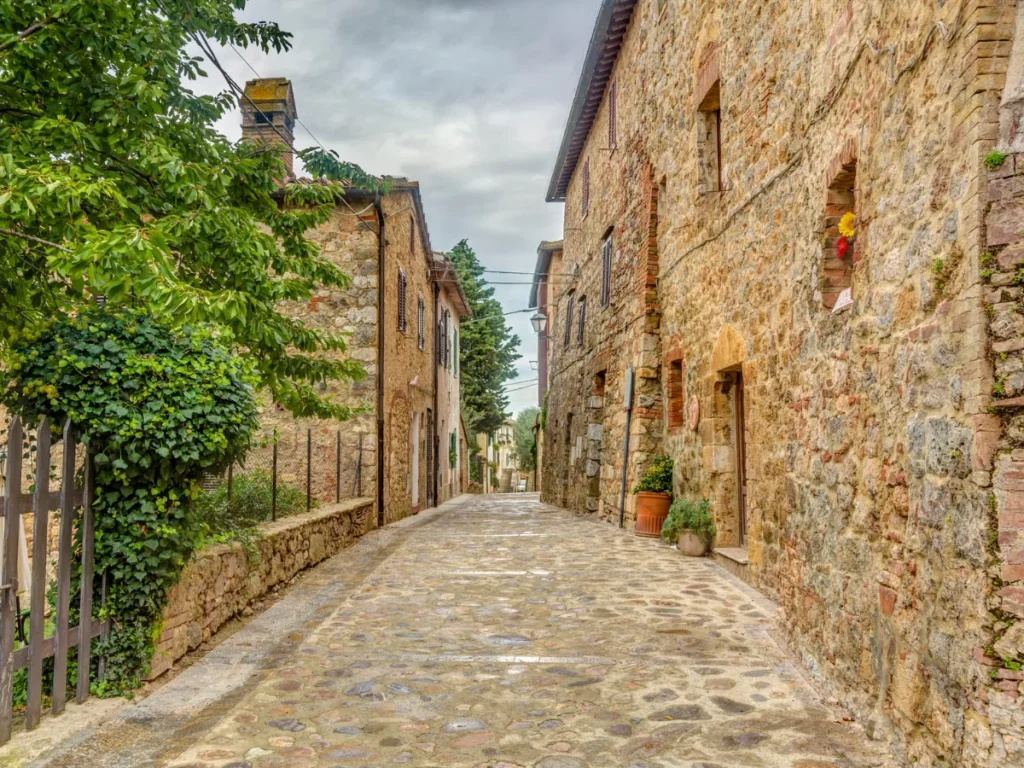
{"x":691,"y":545}
{"x":651,"y":511}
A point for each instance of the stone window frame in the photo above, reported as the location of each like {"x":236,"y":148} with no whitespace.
{"x":841,"y":196}
{"x":607,"y":254}
{"x":675,"y":390}
{"x":421,"y":334}
{"x":708,"y":104}
{"x":613,"y":116}
{"x":570,"y":311}
{"x":402,"y":313}
{"x":585,"y":188}
{"x":581,"y":319}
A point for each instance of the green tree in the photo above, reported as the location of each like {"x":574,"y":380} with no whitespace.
{"x":114,"y":182}
{"x":489,"y":349}
{"x":522,"y":431}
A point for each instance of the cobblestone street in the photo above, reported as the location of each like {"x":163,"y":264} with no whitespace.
{"x":507,"y":633}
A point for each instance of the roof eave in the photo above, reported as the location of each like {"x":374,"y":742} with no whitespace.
{"x":597,"y":66}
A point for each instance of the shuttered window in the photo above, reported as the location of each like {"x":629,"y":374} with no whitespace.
{"x":612,"y":116}
{"x":582,"y":322}
{"x":606,"y":272}
{"x":455,"y":356}
{"x":421,"y":333}
{"x":586,"y":187}
{"x":402,"y":323}
{"x":569,"y":311}
{"x":447,"y":340}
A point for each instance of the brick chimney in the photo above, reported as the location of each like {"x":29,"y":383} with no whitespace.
{"x":268,"y":114}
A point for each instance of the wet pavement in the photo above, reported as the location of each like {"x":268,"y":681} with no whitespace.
{"x":505,"y":633}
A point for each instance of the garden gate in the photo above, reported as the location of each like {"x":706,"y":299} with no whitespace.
{"x":28,"y":650}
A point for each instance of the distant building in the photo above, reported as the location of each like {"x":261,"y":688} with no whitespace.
{"x":409,"y":364}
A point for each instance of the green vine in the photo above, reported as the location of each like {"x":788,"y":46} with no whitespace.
{"x":157,"y":409}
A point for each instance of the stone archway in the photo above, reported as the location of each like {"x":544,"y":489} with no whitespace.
{"x":729,"y":438}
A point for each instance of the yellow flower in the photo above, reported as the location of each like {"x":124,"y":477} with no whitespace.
{"x":846,"y":228}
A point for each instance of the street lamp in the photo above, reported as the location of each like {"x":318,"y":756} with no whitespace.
{"x":539,"y":322}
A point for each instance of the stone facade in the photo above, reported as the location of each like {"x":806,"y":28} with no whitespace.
{"x":351,"y":240}
{"x":831,"y":396}
{"x":223,"y":581}
{"x":452,"y":307}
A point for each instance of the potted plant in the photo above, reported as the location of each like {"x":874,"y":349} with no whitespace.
{"x":690,"y":526}
{"x":653,"y":496}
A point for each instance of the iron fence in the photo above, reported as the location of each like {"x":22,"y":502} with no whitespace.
{"x":297,"y":471}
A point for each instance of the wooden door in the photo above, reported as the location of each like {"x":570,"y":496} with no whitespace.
{"x":741,"y":459}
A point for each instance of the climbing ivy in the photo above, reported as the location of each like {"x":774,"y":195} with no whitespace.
{"x":157,"y":408}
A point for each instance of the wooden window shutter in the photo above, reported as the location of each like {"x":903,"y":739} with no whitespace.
{"x":401,"y":301}
{"x":606,"y":272}
{"x":421,"y":335}
{"x":581,"y":323}
{"x":612,"y":115}
{"x":586,"y":186}
{"x":569,"y":311}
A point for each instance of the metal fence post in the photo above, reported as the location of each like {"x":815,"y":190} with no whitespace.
{"x":337,"y":483}
{"x":309,"y":470}
{"x":273,"y":486}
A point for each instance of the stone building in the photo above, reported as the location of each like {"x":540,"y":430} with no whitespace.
{"x":393,"y":333}
{"x":452,"y":307}
{"x":786,"y":227}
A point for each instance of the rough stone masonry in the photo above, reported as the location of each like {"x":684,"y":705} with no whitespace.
{"x":850,"y":404}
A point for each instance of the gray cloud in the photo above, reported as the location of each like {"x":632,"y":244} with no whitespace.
{"x":469,"y":97}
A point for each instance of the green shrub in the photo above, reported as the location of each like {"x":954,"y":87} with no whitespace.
{"x":657,"y":478}
{"x":693,"y":516}
{"x":994,"y":159}
{"x":252,"y":503}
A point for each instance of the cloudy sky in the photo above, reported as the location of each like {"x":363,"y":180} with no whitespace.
{"x":469,"y":97}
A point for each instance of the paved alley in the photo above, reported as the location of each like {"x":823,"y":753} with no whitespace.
{"x":504,"y":632}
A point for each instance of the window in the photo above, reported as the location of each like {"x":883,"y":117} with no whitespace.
{"x":708,"y":98}
{"x":447,"y":340}
{"x":674,"y":386}
{"x":412,"y":234}
{"x":455,"y":355}
{"x":606,"y":271}
{"x":840,"y":225}
{"x":600,"y":382}
{"x":582,"y":321}
{"x":569,"y":310}
{"x":421,"y":333}
{"x":586,"y":187}
{"x":612,"y":116}
{"x":401,"y":302}
{"x":709,"y":142}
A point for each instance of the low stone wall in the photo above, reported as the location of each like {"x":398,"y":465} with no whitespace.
{"x":218,"y":584}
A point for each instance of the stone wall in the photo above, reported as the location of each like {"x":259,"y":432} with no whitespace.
{"x":869,"y":444}
{"x":1003,"y":435}
{"x":350,"y":242}
{"x":220,"y":582}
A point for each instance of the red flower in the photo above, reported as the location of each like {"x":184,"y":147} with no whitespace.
{"x":842,"y":246}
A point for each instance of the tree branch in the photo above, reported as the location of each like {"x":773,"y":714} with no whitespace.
{"x":27,"y":33}
{"x":34,"y":239}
